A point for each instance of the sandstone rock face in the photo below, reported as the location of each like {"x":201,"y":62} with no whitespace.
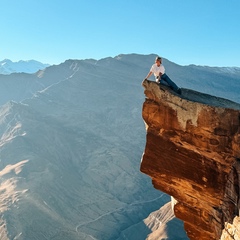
{"x":192,"y":153}
{"x":232,"y":231}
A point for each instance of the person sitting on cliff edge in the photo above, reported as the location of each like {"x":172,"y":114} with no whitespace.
{"x":159,"y":72}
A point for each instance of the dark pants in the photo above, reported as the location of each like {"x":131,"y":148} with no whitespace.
{"x":165,"y":79}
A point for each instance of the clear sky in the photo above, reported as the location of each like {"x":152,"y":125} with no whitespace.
{"x":203,"y":32}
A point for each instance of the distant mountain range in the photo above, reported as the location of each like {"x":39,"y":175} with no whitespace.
{"x":71,"y":140}
{"x":31,"y":66}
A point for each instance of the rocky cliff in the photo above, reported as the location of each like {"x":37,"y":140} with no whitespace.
{"x":192,"y":153}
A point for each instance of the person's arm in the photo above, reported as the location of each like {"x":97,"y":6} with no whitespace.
{"x":149,"y":74}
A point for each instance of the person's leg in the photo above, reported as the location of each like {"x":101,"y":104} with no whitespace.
{"x":163,"y":82}
{"x":170,"y":82}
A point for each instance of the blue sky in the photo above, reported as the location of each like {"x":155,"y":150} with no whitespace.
{"x":205,"y":32}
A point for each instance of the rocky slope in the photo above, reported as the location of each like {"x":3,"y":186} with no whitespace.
{"x":69,"y":155}
{"x":162,"y":222}
{"x":192,"y":153}
{"x":158,"y":225}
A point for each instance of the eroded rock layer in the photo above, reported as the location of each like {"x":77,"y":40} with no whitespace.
{"x":192,"y":153}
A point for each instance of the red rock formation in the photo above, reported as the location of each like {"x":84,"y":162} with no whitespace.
{"x":192,"y":153}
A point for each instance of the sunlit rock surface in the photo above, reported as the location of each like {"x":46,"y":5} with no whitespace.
{"x":232,"y":231}
{"x":192,"y":153}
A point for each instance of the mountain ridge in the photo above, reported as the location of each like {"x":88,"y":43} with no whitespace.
{"x":197,"y":78}
{"x":30,"y":66}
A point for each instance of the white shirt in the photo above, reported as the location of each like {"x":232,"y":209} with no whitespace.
{"x":156,"y":70}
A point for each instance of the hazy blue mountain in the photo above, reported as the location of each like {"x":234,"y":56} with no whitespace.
{"x":31,"y":66}
{"x":70,"y":154}
{"x":72,"y":137}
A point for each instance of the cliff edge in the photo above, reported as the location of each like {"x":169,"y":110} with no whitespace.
{"x":192,"y":153}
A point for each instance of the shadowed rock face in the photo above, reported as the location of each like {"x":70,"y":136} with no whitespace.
{"x":192,"y":153}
